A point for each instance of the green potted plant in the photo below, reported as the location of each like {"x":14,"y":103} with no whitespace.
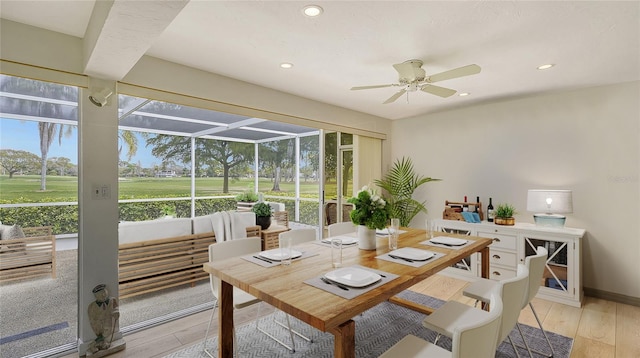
{"x":263,"y":214}
{"x":504,"y":214}
{"x":246,"y":200}
{"x":400,"y":183}
{"x":370,"y":212}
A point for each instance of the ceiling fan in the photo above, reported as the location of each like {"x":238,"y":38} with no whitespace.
{"x":413,"y":78}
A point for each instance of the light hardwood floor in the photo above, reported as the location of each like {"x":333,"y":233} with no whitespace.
{"x":601,"y":328}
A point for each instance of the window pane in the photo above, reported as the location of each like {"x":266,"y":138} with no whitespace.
{"x":38,"y":178}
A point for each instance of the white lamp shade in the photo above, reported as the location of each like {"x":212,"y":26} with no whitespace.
{"x":550,"y":201}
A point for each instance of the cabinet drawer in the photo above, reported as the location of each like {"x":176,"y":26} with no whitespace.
{"x":504,"y":258}
{"x":498,"y":273}
{"x":500,"y":241}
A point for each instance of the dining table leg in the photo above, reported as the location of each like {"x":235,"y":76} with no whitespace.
{"x":345,"y":340}
{"x":225,"y":320}
{"x":484,"y":265}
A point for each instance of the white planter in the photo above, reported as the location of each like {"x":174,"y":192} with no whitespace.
{"x":366,"y":238}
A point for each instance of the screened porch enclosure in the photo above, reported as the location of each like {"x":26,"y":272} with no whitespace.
{"x":197,"y":156}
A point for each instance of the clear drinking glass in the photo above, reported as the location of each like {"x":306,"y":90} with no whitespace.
{"x":429,"y":226}
{"x":285,"y":250}
{"x":394,"y":233}
{"x":336,"y":252}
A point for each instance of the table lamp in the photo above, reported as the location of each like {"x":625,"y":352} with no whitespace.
{"x":549,"y":205}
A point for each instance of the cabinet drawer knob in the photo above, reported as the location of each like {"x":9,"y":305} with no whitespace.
{"x":496,"y":273}
{"x":496,"y":256}
{"x":495,"y":239}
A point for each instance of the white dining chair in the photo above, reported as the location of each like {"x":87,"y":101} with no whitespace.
{"x":299,"y":236}
{"x":453,"y":314}
{"x":472,"y":338}
{"x":535,"y":263}
{"x":341,"y":228}
{"x":224,"y":250}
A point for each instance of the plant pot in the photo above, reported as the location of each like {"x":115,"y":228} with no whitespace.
{"x":245,"y":205}
{"x":504,"y":221}
{"x":366,"y":238}
{"x":263,"y":221}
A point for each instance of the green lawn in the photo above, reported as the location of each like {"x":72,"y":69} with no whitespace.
{"x":26,"y":188}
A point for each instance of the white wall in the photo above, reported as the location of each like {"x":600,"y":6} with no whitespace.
{"x":584,"y":140}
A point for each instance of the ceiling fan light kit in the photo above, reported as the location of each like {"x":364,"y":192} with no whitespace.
{"x":413,"y":77}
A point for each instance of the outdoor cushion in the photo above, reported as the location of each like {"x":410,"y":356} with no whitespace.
{"x":136,"y":231}
{"x":11,"y":232}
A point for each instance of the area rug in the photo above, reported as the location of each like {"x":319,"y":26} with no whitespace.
{"x":376,"y":331}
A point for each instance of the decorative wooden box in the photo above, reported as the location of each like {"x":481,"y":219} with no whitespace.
{"x":453,"y":209}
{"x":270,"y":239}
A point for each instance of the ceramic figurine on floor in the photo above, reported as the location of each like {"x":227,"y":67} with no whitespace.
{"x":104,"y":318}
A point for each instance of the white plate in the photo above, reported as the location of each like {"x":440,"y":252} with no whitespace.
{"x":279,"y":255}
{"x":346,"y":240}
{"x":413,"y":254}
{"x":353,"y":276}
{"x":448,"y":241}
{"x":386,"y":231}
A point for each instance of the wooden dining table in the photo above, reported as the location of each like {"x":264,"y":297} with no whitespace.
{"x":284,"y":288}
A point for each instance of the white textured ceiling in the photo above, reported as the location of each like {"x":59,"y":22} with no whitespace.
{"x":355,"y":43}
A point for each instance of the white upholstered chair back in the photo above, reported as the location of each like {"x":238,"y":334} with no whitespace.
{"x":513,"y":291}
{"x":299,"y":236}
{"x":479,"y":339}
{"x":226,"y":249}
{"x":536,"y":264}
{"x":341,"y":228}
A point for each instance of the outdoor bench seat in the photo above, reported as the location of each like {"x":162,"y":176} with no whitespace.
{"x":28,"y":257}
{"x":153,"y":265}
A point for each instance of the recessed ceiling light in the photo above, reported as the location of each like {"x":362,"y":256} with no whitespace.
{"x":312,"y":10}
{"x":464,"y":94}
{"x":544,"y":67}
{"x":286,"y":65}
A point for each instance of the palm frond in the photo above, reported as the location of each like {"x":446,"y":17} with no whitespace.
{"x":400,"y":183}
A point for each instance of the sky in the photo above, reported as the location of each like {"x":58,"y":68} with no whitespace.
{"x":23,"y":135}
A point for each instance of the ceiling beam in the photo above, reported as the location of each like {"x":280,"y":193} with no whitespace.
{"x":121,"y":31}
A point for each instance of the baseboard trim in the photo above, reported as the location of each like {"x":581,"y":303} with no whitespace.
{"x":610,"y":296}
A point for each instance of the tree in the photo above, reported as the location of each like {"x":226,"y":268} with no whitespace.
{"x":276,"y":156}
{"x":47,"y":134}
{"x":60,"y":165}
{"x":43,"y":110}
{"x":209,"y":153}
{"x":16,"y":161}
{"x":309,"y":157}
{"x":130,"y":140}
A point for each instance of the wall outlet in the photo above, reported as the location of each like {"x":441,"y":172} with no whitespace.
{"x":101,"y":192}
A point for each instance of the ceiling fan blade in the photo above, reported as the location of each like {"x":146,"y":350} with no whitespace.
{"x":370,"y":87}
{"x":438,"y":91}
{"x":455,"y":73}
{"x":395,"y":96}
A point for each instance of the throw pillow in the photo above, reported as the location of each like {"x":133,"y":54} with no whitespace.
{"x":12,"y":232}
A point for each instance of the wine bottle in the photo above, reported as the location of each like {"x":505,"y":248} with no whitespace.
{"x":465,"y":207}
{"x":490,"y":213}
{"x":477,"y":210}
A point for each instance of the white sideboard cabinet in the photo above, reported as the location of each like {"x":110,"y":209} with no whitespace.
{"x":562,"y":278}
